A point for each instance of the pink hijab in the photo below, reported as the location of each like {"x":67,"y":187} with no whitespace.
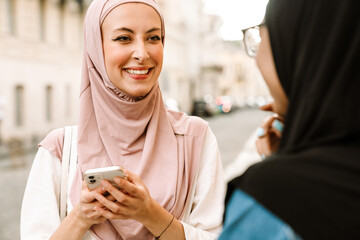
{"x":162,"y":147}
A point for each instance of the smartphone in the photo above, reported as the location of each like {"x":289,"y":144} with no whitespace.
{"x":93,"y":177}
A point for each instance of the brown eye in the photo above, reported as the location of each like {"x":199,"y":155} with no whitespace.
{"x":122,"y":38}
{"x":155,"y":38}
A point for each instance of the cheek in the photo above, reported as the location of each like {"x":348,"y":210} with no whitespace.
{"x":264,"y":59}
{"x":157,"y":54}
{"x":114,"y":56}
{"x":265,"y":62}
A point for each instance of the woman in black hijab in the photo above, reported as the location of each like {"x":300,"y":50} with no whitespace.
{"x":309,"y":187}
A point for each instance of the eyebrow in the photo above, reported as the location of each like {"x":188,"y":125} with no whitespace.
{"x":131,"y":31}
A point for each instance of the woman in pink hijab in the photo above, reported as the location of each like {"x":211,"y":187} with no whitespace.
{"x":174,"y":187}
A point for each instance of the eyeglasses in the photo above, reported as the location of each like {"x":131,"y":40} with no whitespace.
{"x":252,"y":39}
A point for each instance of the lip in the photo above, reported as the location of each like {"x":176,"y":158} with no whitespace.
{"x":136,"y":76}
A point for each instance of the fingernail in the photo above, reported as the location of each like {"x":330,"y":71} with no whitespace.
{"x":97,"y":195}
{"x":105,"y":183}
{"x":263,"y":156}
{"x":278,"y":125}
{"x":260,"y":132}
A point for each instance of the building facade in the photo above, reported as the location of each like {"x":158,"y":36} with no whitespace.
{"x":40,"y":62}
{"x":183,"y":49}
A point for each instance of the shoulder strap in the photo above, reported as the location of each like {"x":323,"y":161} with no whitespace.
{"x":73,"y":156}
{"x":69,"y":161}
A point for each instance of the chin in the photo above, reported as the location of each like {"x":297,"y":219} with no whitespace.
{"x":140,"y":93}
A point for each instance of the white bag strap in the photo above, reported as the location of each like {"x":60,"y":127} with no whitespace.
{"x":73,"y":156}
{"x":69,"y":160}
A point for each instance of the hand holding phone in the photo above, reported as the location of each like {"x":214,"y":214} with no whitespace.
{"x":93,"y":177}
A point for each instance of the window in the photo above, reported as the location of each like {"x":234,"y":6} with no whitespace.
{"x":62,"y":21}
{"x":48,"y":103}
{"x":19,"y":106}
{"x":10,"y":9}
{"x":42,"y":19}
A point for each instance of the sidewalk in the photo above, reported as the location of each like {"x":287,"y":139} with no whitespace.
{"x":3,"y":151}
{"x":247,"y":157}
{"x":13,"y":177}
{"x":15,"y":160}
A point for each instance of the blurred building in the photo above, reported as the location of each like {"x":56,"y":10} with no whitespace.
{"x":183,"y":49}
{"x":199,"y":65}
{"x":241,"y":79}
{"x":212,"y":66}
{"x":40,"y":62}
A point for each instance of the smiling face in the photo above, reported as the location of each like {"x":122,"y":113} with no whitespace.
{"x":265,"y":62}
{"x":133,"y":50}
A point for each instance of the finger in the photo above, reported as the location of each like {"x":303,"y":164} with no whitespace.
{"x":115,"y":207}
{"x":267,"y":107}
{"x":116,"y":193}
{"x":268,"y":121}
{"x":263,"y":148}
{"x":277,"y":127}
{"x":87,"y":209}
{"x":110,"y":215}
{"x":95,"y":215}
{"x":264,"y":129}
{"x":132,"y":184}
{"x":127,"y":186}
{"x":111,"y":198}
{"x":260,"y":132}
{"x":88,"y":196}
{"x":101,"y":219}
{"x":260,"y":149}
{"x":129,"y":176}
{"x":92,"y":213}
{"x":99,"y":204}
{"x":271,"y":122}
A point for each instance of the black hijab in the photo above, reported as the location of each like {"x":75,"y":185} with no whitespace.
{"x":313,"y":181}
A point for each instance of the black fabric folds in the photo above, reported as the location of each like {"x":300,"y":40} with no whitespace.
{"x":313,"y":181}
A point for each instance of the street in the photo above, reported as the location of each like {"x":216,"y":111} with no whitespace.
{"x":232,"y":131}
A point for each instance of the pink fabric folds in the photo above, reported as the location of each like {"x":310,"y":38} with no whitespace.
{"x":160,"y":146}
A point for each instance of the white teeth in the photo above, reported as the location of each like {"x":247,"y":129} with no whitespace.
{"x":137,"y":72}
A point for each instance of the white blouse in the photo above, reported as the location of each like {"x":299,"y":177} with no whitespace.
{"x":202,"y":219}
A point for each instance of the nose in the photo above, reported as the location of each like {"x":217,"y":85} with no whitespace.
{"x":140,"y":51}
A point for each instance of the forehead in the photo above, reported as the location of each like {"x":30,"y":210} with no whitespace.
{"x":132,"y":14}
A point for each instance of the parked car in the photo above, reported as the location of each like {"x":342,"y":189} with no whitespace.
{"x":201,"y":109}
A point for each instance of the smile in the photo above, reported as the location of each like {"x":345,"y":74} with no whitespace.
{"x":137,"y":72}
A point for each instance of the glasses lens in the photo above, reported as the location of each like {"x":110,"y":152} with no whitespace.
{"x":252,"y":40}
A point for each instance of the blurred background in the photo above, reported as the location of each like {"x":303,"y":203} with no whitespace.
{"x":206,"y":72}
